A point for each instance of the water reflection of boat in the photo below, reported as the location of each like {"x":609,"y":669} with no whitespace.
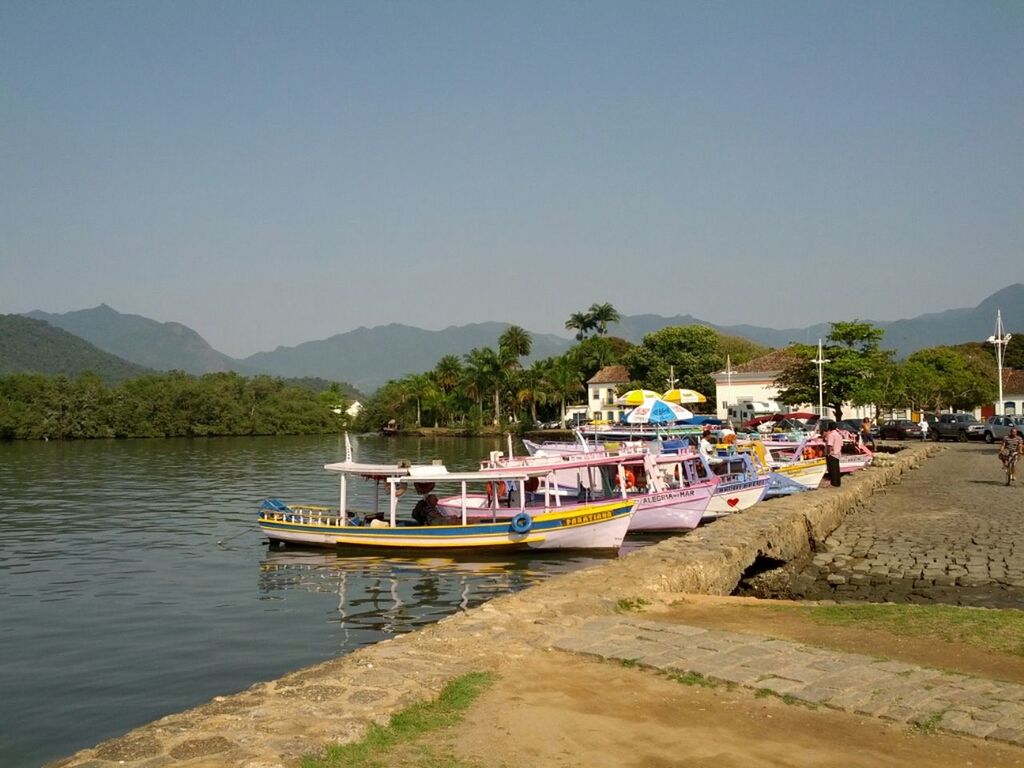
{"x":392,"y":595}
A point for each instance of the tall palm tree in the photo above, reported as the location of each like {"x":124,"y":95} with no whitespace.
{"x":563,"y":381}
{"x":602,"y":314}
{"x":448,"y":372}
{"x":581,"y":323}
{"x":483,"y":370}
{"x":531,"y":389}
{"x":515,"y":342}
{"x":417,"y":387}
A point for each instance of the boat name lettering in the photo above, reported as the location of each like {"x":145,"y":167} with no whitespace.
{"x":668,"y":496}
{"x":593,"y":517}
{"x":731,"y":487}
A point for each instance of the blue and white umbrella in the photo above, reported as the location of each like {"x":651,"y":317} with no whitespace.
{"x":654,"y":410}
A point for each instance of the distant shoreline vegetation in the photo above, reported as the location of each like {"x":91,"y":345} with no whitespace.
{"x":175,"y":404}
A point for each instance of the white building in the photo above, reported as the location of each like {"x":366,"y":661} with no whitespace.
{"x":754,"y":382}
{"x":601,"y":393}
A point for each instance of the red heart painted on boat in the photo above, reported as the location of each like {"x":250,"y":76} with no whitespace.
{"x":732,"y":502}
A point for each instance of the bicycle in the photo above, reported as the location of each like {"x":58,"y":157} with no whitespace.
{"x":1010,"y":463}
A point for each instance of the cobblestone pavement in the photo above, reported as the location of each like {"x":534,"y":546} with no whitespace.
{"x":951,"y":532}
{"x":890,"y":690}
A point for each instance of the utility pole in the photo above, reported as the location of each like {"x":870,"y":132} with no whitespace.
{"x":1000,"y":339}
{"x":820,"y":361}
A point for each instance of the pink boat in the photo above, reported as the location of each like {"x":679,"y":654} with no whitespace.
{"x":670,"y":494}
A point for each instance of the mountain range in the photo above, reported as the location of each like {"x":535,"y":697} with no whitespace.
{"x":368,"y":357}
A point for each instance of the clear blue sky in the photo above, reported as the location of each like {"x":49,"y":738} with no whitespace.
{"x":276,"y":172}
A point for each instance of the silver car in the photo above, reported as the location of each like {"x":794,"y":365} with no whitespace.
{"x":998,"y":427}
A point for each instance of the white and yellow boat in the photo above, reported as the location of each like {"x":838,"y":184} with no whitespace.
{"x":597,"y":525}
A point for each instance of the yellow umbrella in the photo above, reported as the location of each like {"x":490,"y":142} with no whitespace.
{"x":635,"y":397}
{"x":684,"y":396}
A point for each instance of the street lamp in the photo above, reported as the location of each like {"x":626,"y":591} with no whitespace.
{"x":820,"y":361}
{"x":1000,"y":339}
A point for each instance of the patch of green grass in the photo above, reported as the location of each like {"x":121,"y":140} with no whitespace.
{"x":406,"y":726}
{"x":691,"y":678}
{"x":763,"y":693}
{"x":630,"y":604}
{"x":931,"y":724}
{"x":997,"y":630}
{"x":630,"y":662}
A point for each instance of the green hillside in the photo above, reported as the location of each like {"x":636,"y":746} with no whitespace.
{"x":34,"y":346}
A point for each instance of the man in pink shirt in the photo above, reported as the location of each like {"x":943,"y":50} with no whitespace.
{"x":834,"y":449}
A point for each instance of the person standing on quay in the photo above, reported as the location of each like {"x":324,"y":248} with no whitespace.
{"x":866,"y":437}
{"x":924,"y":426}
{"x":833,"y":450}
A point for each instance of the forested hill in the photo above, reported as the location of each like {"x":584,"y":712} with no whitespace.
{"x":156,"y":345}
{"x":34,"y":346}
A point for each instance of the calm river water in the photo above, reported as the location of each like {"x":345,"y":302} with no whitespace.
{"x":134,"y":582}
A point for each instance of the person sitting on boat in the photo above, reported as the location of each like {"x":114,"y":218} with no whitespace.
{"x":426,"y":512}
{"x":708,"y":448}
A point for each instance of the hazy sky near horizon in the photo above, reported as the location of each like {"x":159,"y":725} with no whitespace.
{"x":276,"y":172}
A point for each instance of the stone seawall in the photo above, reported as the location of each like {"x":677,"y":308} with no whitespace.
{"x":275,"y":723}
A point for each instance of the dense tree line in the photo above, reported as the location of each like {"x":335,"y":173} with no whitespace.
{"x":35,"y":406}
{"x":492,"y":387}
{"x":860,"y":372}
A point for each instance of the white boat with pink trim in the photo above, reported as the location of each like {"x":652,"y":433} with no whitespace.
{"x":670,"y":494}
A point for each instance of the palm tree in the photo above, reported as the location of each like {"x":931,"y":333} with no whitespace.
{"x":515,"y":342}
{"x":531,"y":389}
{"x":602,"y":314}
{"x":448,"y":372}
{"x":563,"y":381}
{"x":581,"y":323}
{"x":483,"y":371}
{"x":417,"y":387}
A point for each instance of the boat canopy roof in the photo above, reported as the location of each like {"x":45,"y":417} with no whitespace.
{"x":367,"y":470}
{"x":438,"y":473}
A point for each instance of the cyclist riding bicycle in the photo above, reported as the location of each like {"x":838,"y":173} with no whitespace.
{"x":1010,"y":452}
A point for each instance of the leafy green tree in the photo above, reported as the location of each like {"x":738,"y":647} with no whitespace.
{"x":960,"y":378}
{"x":691,"y":352}
{"x":851,"y":375}
{"x":593,"y":354}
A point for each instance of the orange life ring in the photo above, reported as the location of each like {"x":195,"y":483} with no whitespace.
{"x":630,"y":478}
{"x":422,"y":488}
{"x":502,"y":489}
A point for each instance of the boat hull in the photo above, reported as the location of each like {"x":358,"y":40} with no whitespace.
{"x":592,"y":526}
{"x":736,"y":496}
{"x":679,"y":509}
{"x":808,"y":473}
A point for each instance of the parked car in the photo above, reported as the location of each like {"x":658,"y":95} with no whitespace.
{"x":957,"y":426}
{"x":901,"y":429}
{"x":998,"y":427}
{"x":854,"y":425}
